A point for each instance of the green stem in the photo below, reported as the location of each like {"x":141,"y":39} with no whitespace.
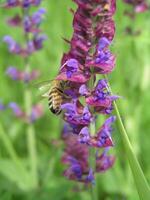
{"x":31,"y":138}
{"x":138,"y":175}
{"x":92,"y":150}
{"x":12,"y":153}
{"x":92,"y":161}
{"x":30,"y":131}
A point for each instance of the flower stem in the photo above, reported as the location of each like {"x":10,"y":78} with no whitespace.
{"x":31,"y":139}
{"x":30,"y":131}
{"x":92,"y":161}
{"x":92,"y":150}
{"x":138,"y":175}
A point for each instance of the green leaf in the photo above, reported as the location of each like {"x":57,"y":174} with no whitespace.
{"x":139,"y":178}
{"x":10,"y":171}
{"x":138,"y":175}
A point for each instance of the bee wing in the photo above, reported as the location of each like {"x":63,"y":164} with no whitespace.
{"x":43,"y":85}
{"x":45,"y":95}
{"x":43,"y":89}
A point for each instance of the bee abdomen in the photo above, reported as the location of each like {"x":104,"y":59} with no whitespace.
{"x":54,"y":102}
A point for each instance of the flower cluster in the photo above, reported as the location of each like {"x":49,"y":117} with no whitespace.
{"x":36,"y":112}
{"x":21,"y":3}
{"x":16,"y":74}
{"x":76,"y":156}
{"x":32,"y":34}
{"x":138,"y":5}
{"x":89,"y":56}
{"x":30,"y":25}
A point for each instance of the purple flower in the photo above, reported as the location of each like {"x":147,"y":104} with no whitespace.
{"x":24,"y":3}
{"x":72,"y":70}
{"x":75,"y":113}
{"x":84,"y":135}
{"x":36,"y":44}
{"x":101,"y":139}
{"x":16,"y":74}
{"x":2,"y":106}
{"x":36,"y":113}
{"x":38,"y":41}
{"x":103,"y":43}
{"x":139,"y":6}
{"x":27,"y":24}
{"x":14,"y":21}
{"x":90,"y":177}
{"x":13,"y":73}
{"x":72,"y":67}
{"x":100,"y":98}
{"x":16,"y":109}
{"x":104,"y":161}
{"x":83,"y":90}
{"x":89,"y":55}
{"x":76,"y":158}
{"x":13,"y":3}
{"x":102,"y":84}
{"x":12,"y":45}
{"x":103,"y":136}
{"x":33,"y":41}
{"x":36,"y":2}
{"x":74,"y":171}
{"x":31,"y":23}
{"x":103,"y":61}
{"x":38,"y":16}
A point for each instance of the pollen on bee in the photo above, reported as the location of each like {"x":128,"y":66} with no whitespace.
{"x":107,"y":7}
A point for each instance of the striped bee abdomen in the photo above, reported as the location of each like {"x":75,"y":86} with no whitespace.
{"x":55,"y":100}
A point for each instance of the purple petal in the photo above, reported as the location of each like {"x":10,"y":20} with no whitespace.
{"x":26,"y":3}
{"x":37,"y":2}
{"x":84,"y":135}
{"x":12,"y":2}
{"x":90,"y":178}
{"x":2,"y":106}
{"x":27,"y":24}
{"x":104,"y":161}
{"x":37,"y":16}
{"x":16,"y":109}
{"x":102,"y":84}
{"x":69,"y":107}
{"x":103,"y":43}
{"x":77,"y":77}
{"x":13,"y":73}
{"x":73,"y":63}
{"x":83,"y":90}
{"x":37,"y":112}
{"x":109,"y":121}
{"x":86,"y":114}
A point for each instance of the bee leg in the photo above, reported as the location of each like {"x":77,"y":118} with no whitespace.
{"x":58,"y":112}
{"x":66,"y":96}
{"x":55,"y":111}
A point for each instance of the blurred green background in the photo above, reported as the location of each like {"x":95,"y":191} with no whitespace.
{"x":130,"y":79}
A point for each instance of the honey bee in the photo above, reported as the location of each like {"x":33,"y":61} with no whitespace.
{"x":55,"y":95}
